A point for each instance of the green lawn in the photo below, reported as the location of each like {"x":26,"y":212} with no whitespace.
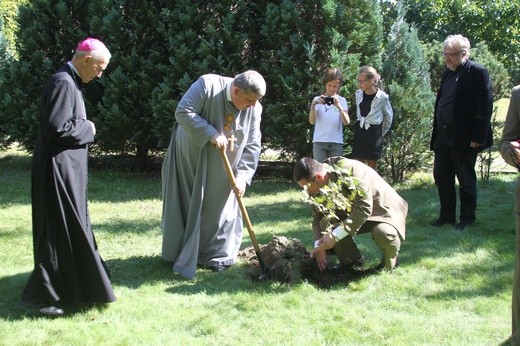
{"x":451,"y":288}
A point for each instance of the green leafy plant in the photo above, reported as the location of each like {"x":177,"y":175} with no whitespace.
{"x":338,"y":195}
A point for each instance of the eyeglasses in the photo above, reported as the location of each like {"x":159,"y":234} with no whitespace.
{"x":250,"y":98}
{"x":451,"y":55}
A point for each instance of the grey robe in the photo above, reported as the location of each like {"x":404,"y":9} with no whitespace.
{"x":201,"y":220}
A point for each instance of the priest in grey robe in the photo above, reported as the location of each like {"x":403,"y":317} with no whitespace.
{"x":201,"y":219}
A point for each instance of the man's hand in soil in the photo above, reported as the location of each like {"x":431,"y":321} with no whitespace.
{"x":319,"y":253}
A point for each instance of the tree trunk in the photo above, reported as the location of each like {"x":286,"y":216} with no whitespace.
{"x":141,"y":159}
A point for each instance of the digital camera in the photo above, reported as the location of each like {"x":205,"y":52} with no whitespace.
{"x":328,"y":100}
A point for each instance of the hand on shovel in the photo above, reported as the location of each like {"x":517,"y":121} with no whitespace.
{"x":220,"y":141}
{"x":266,"y":272}
{"x":240,"y":187}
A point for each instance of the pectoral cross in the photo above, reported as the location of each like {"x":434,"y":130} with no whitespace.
{"x":232,"y":141}
{"x":229,"y":120}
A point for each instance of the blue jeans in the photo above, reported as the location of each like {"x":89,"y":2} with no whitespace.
{"x":323,"y":150}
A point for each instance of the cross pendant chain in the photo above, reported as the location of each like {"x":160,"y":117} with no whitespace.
{"x":229,"y":120}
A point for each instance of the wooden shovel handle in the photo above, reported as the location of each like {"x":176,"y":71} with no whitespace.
{"x":249,"y":225}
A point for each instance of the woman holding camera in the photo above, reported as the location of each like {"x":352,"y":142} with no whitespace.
{"x":328,"y":114}
{"x":374,"y":117}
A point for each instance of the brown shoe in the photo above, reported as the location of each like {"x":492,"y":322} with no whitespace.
{"x":394,"y":262}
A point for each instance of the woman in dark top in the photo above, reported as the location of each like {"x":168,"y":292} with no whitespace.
{"x":374,"y":117}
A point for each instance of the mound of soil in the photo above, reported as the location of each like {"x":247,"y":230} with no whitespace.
{"x":281,"y":256}
{"x":288,"y":261}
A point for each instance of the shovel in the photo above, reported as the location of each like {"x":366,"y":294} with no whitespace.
{"x":265,"y":271}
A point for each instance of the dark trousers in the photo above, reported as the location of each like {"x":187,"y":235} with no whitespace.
{"x":459,"y":162}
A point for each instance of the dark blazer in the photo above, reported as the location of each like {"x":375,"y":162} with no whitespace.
{"x":473,"y":107}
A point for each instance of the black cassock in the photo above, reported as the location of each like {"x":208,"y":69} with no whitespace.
{"x":67,"y":266}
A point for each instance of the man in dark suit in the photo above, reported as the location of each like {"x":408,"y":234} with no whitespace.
{"x":378,"y":210}
{"x":461,"y":129}
{"x":510,"y":150}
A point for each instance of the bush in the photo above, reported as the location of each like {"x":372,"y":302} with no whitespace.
{"x":406,"y":73}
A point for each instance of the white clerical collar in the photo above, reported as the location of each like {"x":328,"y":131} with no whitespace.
{"x":228,"y":91}
{"x":73,"y":68}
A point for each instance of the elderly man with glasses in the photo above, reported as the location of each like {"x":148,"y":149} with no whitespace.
{"x":461,"y":129}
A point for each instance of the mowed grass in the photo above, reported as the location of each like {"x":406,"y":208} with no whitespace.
{"x":451,"y":288}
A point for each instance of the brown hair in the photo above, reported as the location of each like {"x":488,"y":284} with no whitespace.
{"x":371,"y":73}
{"x":333,"y":73}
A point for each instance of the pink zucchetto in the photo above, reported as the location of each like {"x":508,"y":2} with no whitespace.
{"x":90,"y":44}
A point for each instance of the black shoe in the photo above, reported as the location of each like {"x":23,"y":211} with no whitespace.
{"x":441,"y":222}
{"x":42,"y":308}
{"x":52,"y":311}
{"x":357,"y":263}
{"x":217,"y":267}
{"x":461,"y":226}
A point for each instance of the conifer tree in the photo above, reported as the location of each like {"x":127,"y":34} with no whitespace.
{"x":405,"y":73}
{"x":5,"y":60}
{"x":49,"y":31}
{"x":8,"y":14}
{"x":432,"y":52}
{"x":160,"y":47}
{"x":297,"y":44}
{"x":5,"y":56}
{"x":124,"y":113}
{"x":501,"y":88}
{"x":202,"y":37}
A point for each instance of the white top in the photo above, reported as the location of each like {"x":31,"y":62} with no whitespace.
{"x":328,"y":126}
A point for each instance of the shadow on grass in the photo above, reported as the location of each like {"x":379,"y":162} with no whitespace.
{"x":119,"y":226}
{"x":234,"y":279}
{"x":136,"y":271}
{"x":10,"y":290}
{"x":16,"y":162}
{"x":130,"y":272}
{"x":11,"y":310}
{"x":265,"y":187}
{"x":426,"y":248}
{"x":133,"y":272}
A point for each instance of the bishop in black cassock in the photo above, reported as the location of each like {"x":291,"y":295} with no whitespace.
{"x":67,"y":266}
